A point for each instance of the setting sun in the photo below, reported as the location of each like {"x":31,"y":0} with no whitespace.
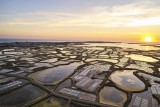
{"x":148,"y":39}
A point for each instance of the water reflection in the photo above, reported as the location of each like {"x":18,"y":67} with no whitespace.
{"x":94,"y":48}
{"x":123,"y":45}
{"x":127,"y":81}
{"x":112,"y":96}
{"x":56,"y":74}
{"x":147,"y":48}
{"x":22,"y":96}
{"x":50,"y":60}
{"x":107,"y":60}
{"x":141,"y":58}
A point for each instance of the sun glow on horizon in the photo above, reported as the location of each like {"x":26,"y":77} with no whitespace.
{"x":148,"y":39}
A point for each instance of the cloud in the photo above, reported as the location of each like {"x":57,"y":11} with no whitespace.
{"x":136,"y":14}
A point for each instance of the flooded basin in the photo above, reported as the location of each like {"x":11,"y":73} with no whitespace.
{"x":144,"y":66}
{"x":13,"y":53}
{"x":94,"y":48}
{"x":65,"y":84}
{"x":123,"y":45}
{"x":27,"y":59}
{"x":141,"y":58}
{"x":50,"y":60}
{"x":8,"y":50}
{"x":22,"y":96}
{"x":2,"y":57}
{"x":107,"y":60}
{"x":56,"y":74}
{"x":112,"y":96}
{"x":127,"y":81}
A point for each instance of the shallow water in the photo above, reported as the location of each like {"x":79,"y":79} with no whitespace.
{"x":141,"y":58}
{"x":124,"y":45}
{"x":50,"y":60}
{"x":24,"y":95}
{"x":13,"y":53}
{"x":94,"y":48}
{"x":2,"y":57}
{"x":8,"y":49}
{"x":28,"y":59}
{"x":112,"y":96}
{"x":107,"y":60}
{"x":127,"y":81}
{"x":56,"y":74}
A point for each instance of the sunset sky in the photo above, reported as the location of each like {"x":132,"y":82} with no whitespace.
{"x":107,"y":20}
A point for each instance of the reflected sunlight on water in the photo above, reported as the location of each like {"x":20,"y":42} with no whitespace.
{"x":141,"y":58}
{"x":127,"y":81}
{"x":123,"y":45}
{"x":112,"y":96}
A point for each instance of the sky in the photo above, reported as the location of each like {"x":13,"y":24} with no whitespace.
{"x":102,"y":20}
